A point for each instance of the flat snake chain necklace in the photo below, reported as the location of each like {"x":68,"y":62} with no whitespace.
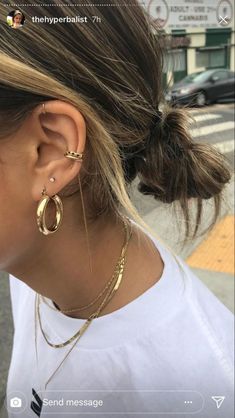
{"x":114,"y":284}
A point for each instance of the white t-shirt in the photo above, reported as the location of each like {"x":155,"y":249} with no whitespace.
{"x":165,"y":354}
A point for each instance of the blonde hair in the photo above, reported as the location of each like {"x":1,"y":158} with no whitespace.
{"x":112,"y":73}
{"x":18,"y":12}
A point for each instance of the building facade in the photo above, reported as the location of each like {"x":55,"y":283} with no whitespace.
{"x":199,"y":35}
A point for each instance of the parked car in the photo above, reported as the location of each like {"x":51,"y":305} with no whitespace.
{"x":204,"y":87}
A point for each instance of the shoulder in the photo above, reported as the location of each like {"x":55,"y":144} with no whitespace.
{"x":204,"y":325}
{"x":194,"y":313}
{"x":214,"y":318}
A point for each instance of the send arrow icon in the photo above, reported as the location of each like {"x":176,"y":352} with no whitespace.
{"x":218,"y":400}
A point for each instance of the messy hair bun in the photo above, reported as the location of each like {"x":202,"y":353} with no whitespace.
{"x":173,"y":167}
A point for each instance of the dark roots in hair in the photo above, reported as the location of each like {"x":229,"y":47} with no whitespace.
{"x":174,"y":168}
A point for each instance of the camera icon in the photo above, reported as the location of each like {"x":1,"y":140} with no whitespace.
{"x":15,"y":403}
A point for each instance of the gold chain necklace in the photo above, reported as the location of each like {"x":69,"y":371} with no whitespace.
{"x":115,"y":282}
{"x":115,"y":279}
{"x":82,"y":308}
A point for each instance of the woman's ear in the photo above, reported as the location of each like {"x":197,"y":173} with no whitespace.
{"x":62,"y":128}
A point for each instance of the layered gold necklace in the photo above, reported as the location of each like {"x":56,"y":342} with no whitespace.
{"x":109,"y":290}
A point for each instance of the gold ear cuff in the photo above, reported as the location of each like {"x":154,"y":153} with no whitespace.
{"x":78,"y":156}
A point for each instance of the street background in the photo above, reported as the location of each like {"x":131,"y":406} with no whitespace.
{"x":210,"y":256}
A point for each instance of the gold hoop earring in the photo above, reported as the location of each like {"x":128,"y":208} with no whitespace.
{"x":41,"y":213}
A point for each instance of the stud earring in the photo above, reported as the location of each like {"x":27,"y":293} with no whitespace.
{"x":52,"y":179}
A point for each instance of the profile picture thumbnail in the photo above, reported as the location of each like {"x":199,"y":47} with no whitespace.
{"x":15,"y":19}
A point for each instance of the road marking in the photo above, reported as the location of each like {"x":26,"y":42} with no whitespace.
{"x":212,"y":129}
{"x":216,"y":252}
{"x":214,"y":107}
{"x":206,"y":116}
{"x":195,"y":112}
{"x":225,"y":147}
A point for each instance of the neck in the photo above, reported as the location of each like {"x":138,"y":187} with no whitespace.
{"x":108,"y":291}
{"x":58,"y":266}
{"x":59,"y":269}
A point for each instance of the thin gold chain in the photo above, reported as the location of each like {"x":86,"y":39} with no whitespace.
{"x":85,"y":306}
{"x":93,"y":315}
{"x":82,"y":308}
{"x":107,"y":298}
{"x":117,"y":281}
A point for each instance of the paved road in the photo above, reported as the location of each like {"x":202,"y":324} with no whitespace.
{"x":217,"y":124}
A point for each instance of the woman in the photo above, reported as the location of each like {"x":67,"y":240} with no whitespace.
{"x":17,"y":20}
{"x":107,"y":320}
